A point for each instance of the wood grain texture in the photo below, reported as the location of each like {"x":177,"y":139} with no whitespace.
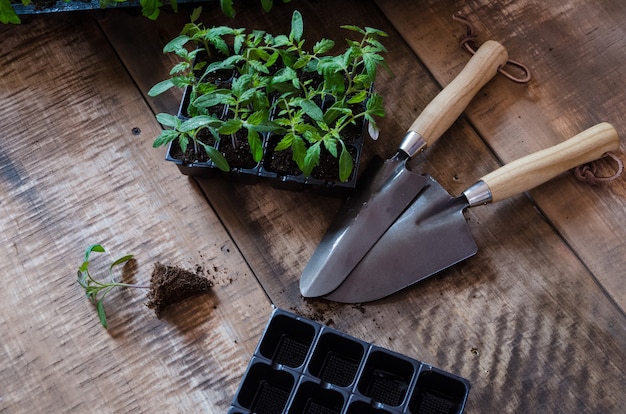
{"x":534,"y":320}
{"x":72,"y":173}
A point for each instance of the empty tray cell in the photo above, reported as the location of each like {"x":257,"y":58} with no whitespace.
{"x":312,"y":399}
{"x":336,"y":359}
{"x":386,"y":378}
{"x":265,"y":390}
{"x":287,"y":341}
{"x":438,"y":393}
{"x":361,"y":407}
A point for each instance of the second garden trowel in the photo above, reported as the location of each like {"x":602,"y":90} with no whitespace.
{"x":386,"y":189}
{"x":432,"y":233}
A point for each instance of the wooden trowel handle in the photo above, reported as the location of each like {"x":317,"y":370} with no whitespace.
{"x":446,"y":107}
{"x":535,"y":169}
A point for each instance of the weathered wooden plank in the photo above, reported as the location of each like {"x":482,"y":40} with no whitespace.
{"x":524,"y":320}
{"x":575,"y":52}
{"x":72,"y":173}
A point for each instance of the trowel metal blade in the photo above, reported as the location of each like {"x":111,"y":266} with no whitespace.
{"x":431,"y":235}
{"x":388,"y":188}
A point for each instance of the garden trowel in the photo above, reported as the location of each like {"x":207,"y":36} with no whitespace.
{"x":386,"y":189}
{"x":432,"y":233}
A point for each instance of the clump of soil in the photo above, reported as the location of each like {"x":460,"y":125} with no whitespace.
{"x":171,"y":284}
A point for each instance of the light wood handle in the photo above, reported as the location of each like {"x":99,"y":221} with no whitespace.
{"x":532,"y":170}
{"x":446,"y":107}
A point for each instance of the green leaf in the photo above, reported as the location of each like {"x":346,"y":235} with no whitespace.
{"x":258,"y":66}
{"x":302,"y":61}
{"x":238,"y":43}
{"x":267,"y":5}
{"x":256,"y":144}
{"x":165,"y":138}
{"x":93,"y":248}
{"x":179,"y":68}
{"x":217,"y":157}
{"x":150,"y":8}
{"x":196,"y":122}
{"x":160,"y":87}
{"x":331,"y":146}
{"x":375,"y":105}
{"x":311,"y":109}
{"x":378,"y":46}
{"x":168,"y":120}
{"x":257,"y":117}
{"x":230,"y":127}
{"x":101,"y":314}
{"x":183,"y":141}
{"x":195,"y":15}
{"x":240,"y":84}
{"x":297,"y":26}
{"x":323,"y":46}
{"x":7,"y":14}
{"x":345,"y":164}
{"x":358,"y":98}
{"x":182,"y":81}
{"x":281,"y":40}
{"x":376,"y":32}
{"x":371,"y":60}
{"x":83,"y":267}
{"x":298,"y":147}
{"x":372,"y":129}
{"x":227,"y":8}
{"x":284,"y":75}
{"x":121,"y":260}
{"x":285,"y":142}
{"x":214,"y":98}
{"x":272,"y":59}
{"x":312,"y":159}
{"x":354,"y":29}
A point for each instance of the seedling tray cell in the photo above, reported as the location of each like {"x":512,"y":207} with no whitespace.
{"x":300,"y":366}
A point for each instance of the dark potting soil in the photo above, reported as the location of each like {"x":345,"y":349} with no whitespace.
{"x":281,"y":162}
{"x":191,"y":155}
{"x":328,"y":168}
{"x":172,"y":284}
{"x":238,"y":156}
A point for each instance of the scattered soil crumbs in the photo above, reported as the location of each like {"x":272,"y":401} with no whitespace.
{"x":171,"y":284}
{"x":322,"y":311}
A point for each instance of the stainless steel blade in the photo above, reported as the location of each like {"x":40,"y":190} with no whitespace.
{"x":388,"y":188}
{"x":429,"y":236}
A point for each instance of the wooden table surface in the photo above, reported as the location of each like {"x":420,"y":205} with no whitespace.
{"x":536,"y":320}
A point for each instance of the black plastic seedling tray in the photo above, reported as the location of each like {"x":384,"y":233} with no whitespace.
{"x":263,"y":171}
{"x":303,"y":367}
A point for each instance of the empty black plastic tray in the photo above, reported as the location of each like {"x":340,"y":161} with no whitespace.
{"x":303,"y":367}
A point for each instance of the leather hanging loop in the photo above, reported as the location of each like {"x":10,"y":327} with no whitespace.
{"x":588,"y":172}
{"x":469,"y":38}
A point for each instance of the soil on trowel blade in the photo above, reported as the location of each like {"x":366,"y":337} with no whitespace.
{"x":171,"y":284}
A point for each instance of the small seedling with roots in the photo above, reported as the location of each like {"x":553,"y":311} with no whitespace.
{"x":96,"y":290}
{"x":168,"y":284}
